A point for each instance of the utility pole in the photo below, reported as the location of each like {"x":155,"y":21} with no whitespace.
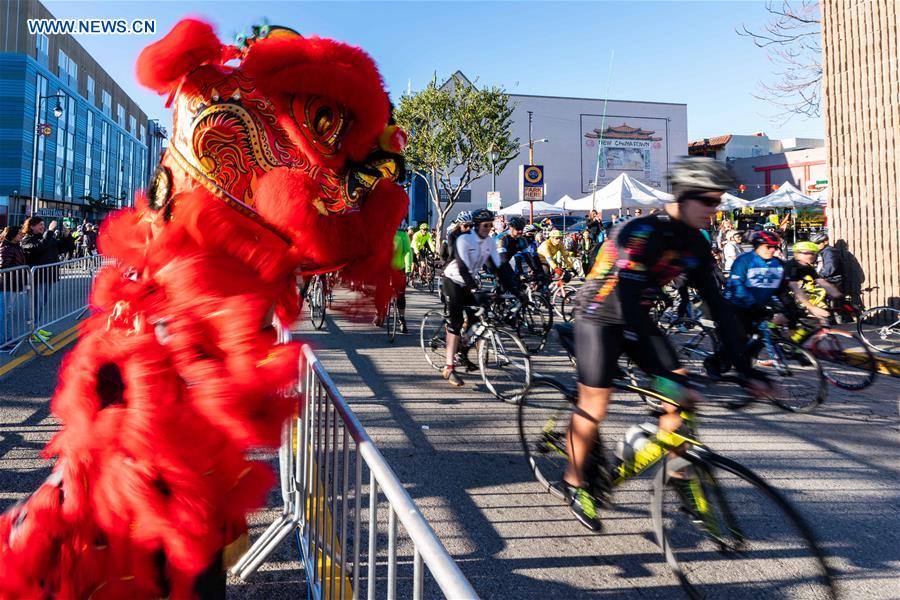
{"x":530,"y":140}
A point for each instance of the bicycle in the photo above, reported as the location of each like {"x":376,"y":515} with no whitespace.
{"x":879,"y":328}
{"x":503,"y":361}
{"x":847,"y":361}
{"x":799,"y":382}
{"x":392,"y":319}
{"x":721,"y":508}
{"x":424,"y":272}
{"x":316,"y":297}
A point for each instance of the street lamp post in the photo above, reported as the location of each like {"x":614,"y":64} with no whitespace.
{"x":495,"y":156}
{"x":57,"y":112}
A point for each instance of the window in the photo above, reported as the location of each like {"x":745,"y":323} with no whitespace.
{"x":120,"y":115}
{"x":132,"y":125}
{"x":104,"y":156}
{"x":143,"y":137}
{"x":90,"y":91}
{"x":72,"y":71}
{"x":88,"y":152}
{"x":107,"y":104}
{"x":42,"y":141}
{"x":62,"y":64}
{"x":41,"y":46}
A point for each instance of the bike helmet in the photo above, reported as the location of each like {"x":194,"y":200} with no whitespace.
{"x":423,"y":226}
{"x":516,"y":223}
{"x":699,"y":174}
{"x":806,"y":247}
{"x":530,"y":229}
{"x":819,"y":238}
{"x":481,"y":215}
{"x":556,"y":234}
{"x":463,"y":218}
{"x":769,"y":238}
{"x":769,"y":225}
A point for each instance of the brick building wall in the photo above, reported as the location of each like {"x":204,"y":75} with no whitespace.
{"x":861,"y":79}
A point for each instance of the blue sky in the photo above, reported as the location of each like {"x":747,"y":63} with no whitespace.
{"x":663,"y":51}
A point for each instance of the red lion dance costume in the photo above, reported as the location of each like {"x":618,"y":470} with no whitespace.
{"x":282,"y":158}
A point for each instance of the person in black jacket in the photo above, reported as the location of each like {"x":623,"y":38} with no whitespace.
{"x":41,"y":248}
{"x":12,"y":284}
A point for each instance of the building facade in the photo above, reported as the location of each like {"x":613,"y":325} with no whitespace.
{"x":92,"y":139}
{"x":587,"y":140}
{"x":861,"y":100}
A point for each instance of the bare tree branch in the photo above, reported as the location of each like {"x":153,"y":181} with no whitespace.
{"x":793,"y":40}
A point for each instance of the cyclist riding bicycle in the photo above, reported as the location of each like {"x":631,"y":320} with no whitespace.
{"x":422,"y":244}
{"x":473,"y":250}
{"x":396,"y":286}
{"x":553,"y":254}
{"x":460,"y":225}
{"x":641,"y":256}
{"x":809,"y":289}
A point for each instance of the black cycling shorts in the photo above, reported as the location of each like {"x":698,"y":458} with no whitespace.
{"x":457,"y":298}
{"x":598,"y":347}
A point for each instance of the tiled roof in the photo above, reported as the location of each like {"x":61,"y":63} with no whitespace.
{"x":719,"y":140}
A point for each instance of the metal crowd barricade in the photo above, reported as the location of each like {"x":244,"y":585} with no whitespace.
{"x":61,"y":290}
{"x":326,"y":458}
{"x":15,"y":307}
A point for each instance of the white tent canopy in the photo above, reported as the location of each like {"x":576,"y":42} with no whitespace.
{"x":786,"y":196}
{"x":565,"y":202}
{"x":524,"y":208}
{"x":622,"y":192}
{"x":730,"y":202}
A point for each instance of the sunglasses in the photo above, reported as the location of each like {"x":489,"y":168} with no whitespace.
{"x":770,"y":247}
{"x":708,"y":202}
{"x":804,"y":252}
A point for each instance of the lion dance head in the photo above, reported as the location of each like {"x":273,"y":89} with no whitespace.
{"x":283,"y":158}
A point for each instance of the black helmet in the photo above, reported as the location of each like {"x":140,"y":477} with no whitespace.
{"x":819,"y":238}
{"x":517,"y":223}
{"x":700,"y":174}
{"x":481,"y":215}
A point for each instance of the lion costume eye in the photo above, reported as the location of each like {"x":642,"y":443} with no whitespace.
{"x":321,"y":120}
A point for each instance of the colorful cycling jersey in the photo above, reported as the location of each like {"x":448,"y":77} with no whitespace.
{"x":644,"y":254}
{"x":805,"y":276}
{"x":640,"y":256}
{"x":421,"y":240}
{"x":754,"y":281}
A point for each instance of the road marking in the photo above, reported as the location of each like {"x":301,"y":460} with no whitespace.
{"x":58,"y":341}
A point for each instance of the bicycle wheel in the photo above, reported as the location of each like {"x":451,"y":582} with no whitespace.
{"x":392,"y":320}
{"x":846,"y":360}
{"x":797,"y":376}
{"x":429,"y":273}
{"x":504,"y":363}
{"x":694,"y":343}
{"x":534,"y":323}
{"x":880,"y":329}
{"x":544,"y":413}
{"x":433,"y":338}
{"x":726,"y":512}
{"x":566,"y":303}
{"x":316,"y":296}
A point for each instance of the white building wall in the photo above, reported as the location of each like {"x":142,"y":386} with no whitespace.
{"x":563,"y":122}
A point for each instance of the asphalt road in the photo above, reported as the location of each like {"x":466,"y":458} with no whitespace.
{"x":458,"y":454}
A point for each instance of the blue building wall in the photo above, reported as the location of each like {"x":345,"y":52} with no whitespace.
{"x":18,"y":75}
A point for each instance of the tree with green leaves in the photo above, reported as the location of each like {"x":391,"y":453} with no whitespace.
{"x":452,"y":129}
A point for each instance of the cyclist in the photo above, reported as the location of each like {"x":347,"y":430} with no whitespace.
{"x":640,"y":256}
{"x":473,"y":250}
{"x":528,"y":256}
{"x":396,"y":286}
{"x":808,"y":287}
{"x":553,"y":254}
{"x":422,"y":245}
{"x":512,"y":241}
{"x":460,"y":225}
{"x":830,"y":265}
